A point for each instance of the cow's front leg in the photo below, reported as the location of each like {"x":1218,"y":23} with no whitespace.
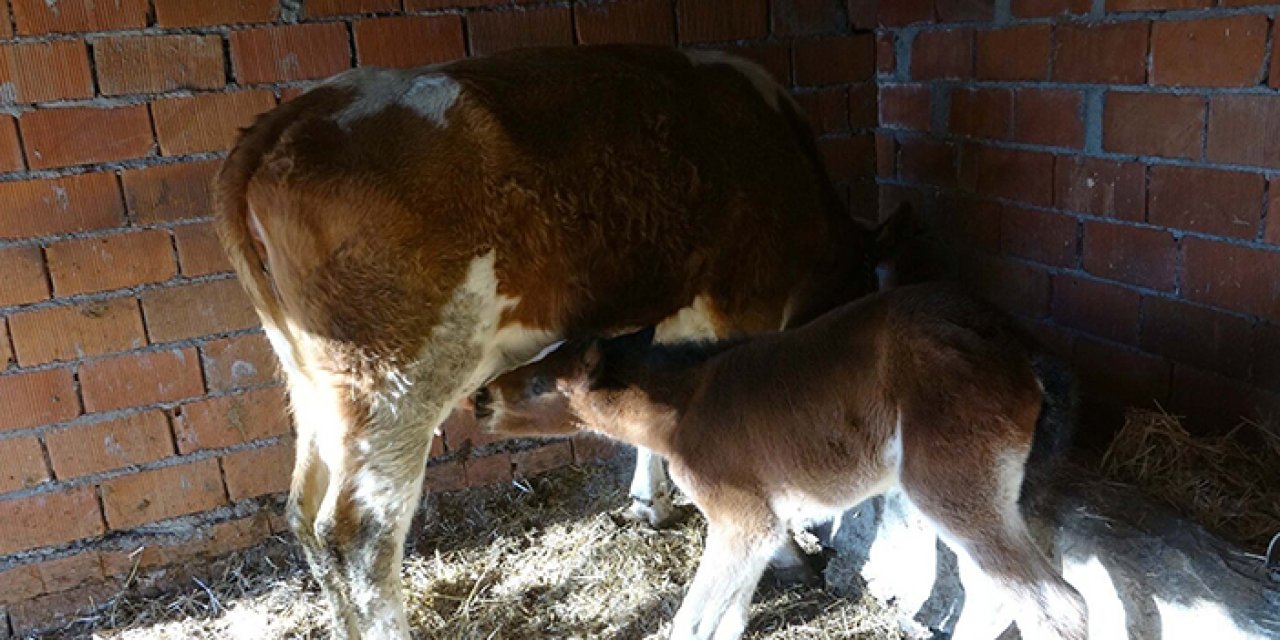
{"x":356,"y":485}
{"x":651,"y":491}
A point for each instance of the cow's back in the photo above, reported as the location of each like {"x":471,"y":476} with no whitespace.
{"x":614,"y":186}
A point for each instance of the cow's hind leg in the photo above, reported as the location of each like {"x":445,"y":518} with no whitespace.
{"x":651,"y":491}
{"x":356,"y":484}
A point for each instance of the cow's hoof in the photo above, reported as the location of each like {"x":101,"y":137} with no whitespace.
{"x":659,"y":514}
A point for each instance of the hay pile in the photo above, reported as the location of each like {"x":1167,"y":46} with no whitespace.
{"x":546,"y":558}
{"x":1230,"y":483}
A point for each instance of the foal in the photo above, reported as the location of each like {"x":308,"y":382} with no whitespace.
{"x":922,"y":388}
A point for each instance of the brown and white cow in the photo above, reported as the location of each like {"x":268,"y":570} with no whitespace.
{"x":405,"y":235}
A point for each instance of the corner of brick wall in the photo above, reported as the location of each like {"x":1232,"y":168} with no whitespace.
{"x":141,"y":421}
{"x":1104,"y":170}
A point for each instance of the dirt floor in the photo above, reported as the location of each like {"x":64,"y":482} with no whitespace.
{"x":543,"y":558}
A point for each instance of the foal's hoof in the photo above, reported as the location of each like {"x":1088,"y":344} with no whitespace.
{"x":658,"y":514}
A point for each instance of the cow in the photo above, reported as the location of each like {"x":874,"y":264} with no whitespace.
{"x":923,"y":389}
{"x":405,"y":235}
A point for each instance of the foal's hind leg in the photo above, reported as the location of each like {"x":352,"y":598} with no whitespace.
{"x":973,"y":501}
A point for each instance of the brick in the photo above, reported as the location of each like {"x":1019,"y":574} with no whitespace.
{"x":60,"y":610}
{"x":258,"y":472}
{"x":24,"y":522}
{"x":6,"y":351}
{"x":194,"y":310}
{"x":23,"y":464}
{"x":1244,"y":130}
{"x":942,"y":54}
{"x":1136,"y":255}
{"x":1214,"y":403}
{"x":1100,"y":187}
{"x":323,"y":8}
{"x":206,"y":13}
{"x":897,"y":13}
{"x":1153,"y":124}
{"x":10,"y":149}
{"x":1017,"y":53}
{"x":1049,"y":8}
{"x":492,"y":469}
{"x":492,"y":32}
{"x":1112,"y":372}
{"x":1231,"y":277}
{"x":428,"y":5}
{"x":1273,"y":79}
{"x":1202,"y":337}
{"x":965,"y":10}
{"x":69,"y":572}
{"x":543,"y":459}
{"x":170,"y":192}
{"x":927,"y":161}
{"x":1050,"y":117}
{"x":76,"y":331}
{"x":35,"y":17}
{"x":981,"y":113}
{"x":1222,"y":52}
{"x":24,"y":280}
{"x":886,"y":156}
{"x":1224,"y":203}
{"x":110,"y":262}
{"x":969,"y":222}
{"x":408,"y":41}
{"x":231,"y":420}
{"x":102,"y":135}
{"x":241,"y":361}
{"x":69,"y":204}
{"x":1266,"y":367}
{"x":206,"y":122}
{"x":110,"y":444}
{"x":808,"y":17}
{"x":1097,"y":308}
{"x":20,"y":583}
{"x":290,"y":52}
{"x":1017,"y":288}
{"x":45,"y":71}
{"x":6,"y":31}
{"x":199,"y":251}
{"x":863,"y":99}
{"x":1156,"y":5}
{"x":886,"y":55}
{"x":448,"y":476}
{"x":835,"y":60}
{"x":152,"y":64}
{"x":1025,"y":176}
{"x":462,"y":433}
{"x":715,"y":21}
{"x":827,"y":109}
{"x":906,"y":106}
{"x":36,"y":398}
{"x":644,"y":21}
{"x":149,"y":496}
{"x":1107,"y":53}
{"x":862,"y":14}
{"x":136,"y":380}
{"x":850,"y":158}
{"x":1042,"y":237}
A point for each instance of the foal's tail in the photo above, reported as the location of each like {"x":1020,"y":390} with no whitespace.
{"x":1056,"y":425}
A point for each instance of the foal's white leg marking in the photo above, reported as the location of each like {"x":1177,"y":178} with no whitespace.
{"x":650,"y":489}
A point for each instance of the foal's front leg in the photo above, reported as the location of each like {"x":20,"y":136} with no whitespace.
{"x":716,"y":606}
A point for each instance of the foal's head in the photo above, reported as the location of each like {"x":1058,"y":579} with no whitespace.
{"x":534,"y":399}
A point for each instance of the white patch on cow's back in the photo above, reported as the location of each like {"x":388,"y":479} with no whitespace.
{"x":432,"y":96}
{"x":694,"y":322}
{"x":425,"y":92}
{"x":769,"y":88}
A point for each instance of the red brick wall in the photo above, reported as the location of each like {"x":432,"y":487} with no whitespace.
{"x":138,"y":406}
{"x":1106,"y":170}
